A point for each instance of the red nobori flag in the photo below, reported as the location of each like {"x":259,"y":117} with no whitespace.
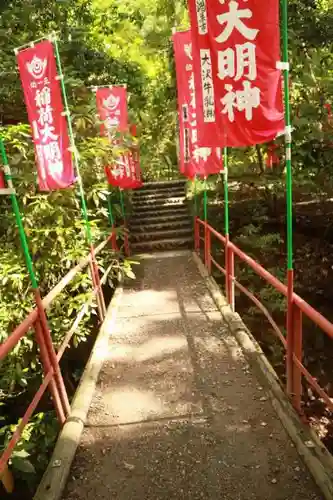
{"x":194,"y":160}
{"x":112,"y":108}
{"x":38,"y":70}
{"x":126,"y":172}
{"x":236,"y":46}
{"x":137,"y":167}
{"x":135,"y":160}
{"x":2,"y":180}
{"x":121,"y":173}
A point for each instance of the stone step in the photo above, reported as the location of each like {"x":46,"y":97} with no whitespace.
{"x":162,"y":185}
{"x":161,"y":200}
{"x":166,"y":207}
{"x":158,"y":217}
{"x":156,"y":195}
{"x":164,"y":234}
{"x":161,"y":245}
{"x":158,"y":225}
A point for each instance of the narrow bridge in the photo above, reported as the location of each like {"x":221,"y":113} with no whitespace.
{"x":177,"y":400}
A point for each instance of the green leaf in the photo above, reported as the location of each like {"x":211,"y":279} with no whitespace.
{"x":23,"y":465}
{"x":21,"y":454}
{"x":129,"y":273}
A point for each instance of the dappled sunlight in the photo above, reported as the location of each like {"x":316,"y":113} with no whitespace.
{"x":236,"y":428}
{"x":155,"y":347}
{"x":159,"y":301}
{"x":210,"y":344}
{"x":129,"y":404}
{"x":160,"y":346}
{"x":311,"y":202}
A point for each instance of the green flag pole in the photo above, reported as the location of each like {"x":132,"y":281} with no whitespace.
{"x":287,"y":135}
{"x":94,"y":270}
{"x":122,"y":205}
{"x":123,"y":211}
{"x":110,"y":213}
{"x":229,"y":266}
{"x":75,"y":153}
{"x":111,"y":220}
{"x":48,"y":355}
{"x":18,"y":218}
{"x":290,"y":272}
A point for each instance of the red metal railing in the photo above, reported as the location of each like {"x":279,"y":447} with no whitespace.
{"x":50,"y":359}
{"x":296,"y":308}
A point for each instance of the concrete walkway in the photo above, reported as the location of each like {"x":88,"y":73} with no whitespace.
{"x":178,"y":413}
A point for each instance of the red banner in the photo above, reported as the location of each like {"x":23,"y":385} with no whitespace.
{"x":136,"y":160}
{"x":194,"y":160}
{"x":2,"y":180}
{"x":236,"y":46}
{"x":38,"y":70}
{"x":126,"y":173}
{"x":112,"y":108}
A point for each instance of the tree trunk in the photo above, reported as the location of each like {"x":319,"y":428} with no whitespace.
{"x":260,"y":159}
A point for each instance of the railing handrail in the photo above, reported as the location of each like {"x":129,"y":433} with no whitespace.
{"x":296,"y":305}
{"x":304,"y":306}
{"x":32,"y":320}
{"x":28,"y":322}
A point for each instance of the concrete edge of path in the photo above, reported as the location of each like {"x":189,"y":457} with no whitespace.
{"x":314,"y":454}
{"x":55,"y":477}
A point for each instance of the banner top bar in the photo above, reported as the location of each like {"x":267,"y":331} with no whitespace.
{"x":52,"y":36}
{"x":95,"y":87}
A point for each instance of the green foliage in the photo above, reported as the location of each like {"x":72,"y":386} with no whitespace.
{"x":53,"y":221}
{"x":106,"y":42}
{"x":252,"y":237}
{"x":31,"y":455}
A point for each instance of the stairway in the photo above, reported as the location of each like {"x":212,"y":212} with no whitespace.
{"x":160,"y":218}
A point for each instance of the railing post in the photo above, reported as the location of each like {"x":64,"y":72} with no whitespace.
{"x":227,"y":265}
{"x":47,"y":342}
{"x":209,"y":257}
{"x":290,"y":335}
{"x":206,"y":246}
{"x":97,"y":284}
{"x":46,"y":363}
{"x":231,"y":277}
{"x":298,"y":348}
{"x":7,"y":480}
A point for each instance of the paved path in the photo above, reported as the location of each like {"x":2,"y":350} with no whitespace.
{"x":178,"y":413}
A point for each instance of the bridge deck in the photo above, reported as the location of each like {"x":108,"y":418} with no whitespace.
{"x":178,"y":414}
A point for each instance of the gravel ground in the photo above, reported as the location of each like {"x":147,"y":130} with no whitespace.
{"x":178,"y":414}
